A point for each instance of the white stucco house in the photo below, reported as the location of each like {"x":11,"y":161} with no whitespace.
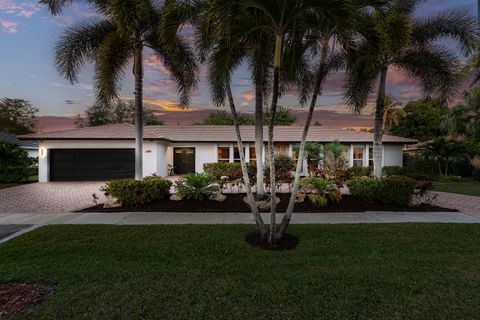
{"x":107,"y":152}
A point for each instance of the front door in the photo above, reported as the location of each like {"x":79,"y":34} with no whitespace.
{"x":183,"y":160}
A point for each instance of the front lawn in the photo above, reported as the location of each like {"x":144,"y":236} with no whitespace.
{"x":465,"y":186}
{"x":408,"y":271}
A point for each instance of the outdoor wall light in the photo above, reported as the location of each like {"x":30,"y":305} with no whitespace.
{"x":148,"y":151}
{"x":42,"y":152}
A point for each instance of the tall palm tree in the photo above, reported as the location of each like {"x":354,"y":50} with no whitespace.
{"x":392,"y":114}
{"x":127,"y":28}
{"x":398,"y":39}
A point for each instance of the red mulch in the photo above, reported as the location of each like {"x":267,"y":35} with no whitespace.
{"x":288,"y":242}
{"x":235,"y":203}
{"x":18,"y":297}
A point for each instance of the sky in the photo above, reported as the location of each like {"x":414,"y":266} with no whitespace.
{"x":28,"y":33}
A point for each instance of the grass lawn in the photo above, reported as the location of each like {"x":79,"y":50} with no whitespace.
{"x":408,"y":271}
{"x":465,"y":186}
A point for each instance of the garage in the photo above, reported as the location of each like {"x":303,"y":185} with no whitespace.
{"x":91,"y":164}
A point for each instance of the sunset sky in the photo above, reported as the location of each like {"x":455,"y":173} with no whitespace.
{"x":27,"y":38}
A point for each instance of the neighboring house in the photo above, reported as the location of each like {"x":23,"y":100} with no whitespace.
{"x":30,"y":146}
{"x":107,"y":152}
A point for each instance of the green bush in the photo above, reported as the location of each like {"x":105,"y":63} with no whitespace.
{"x":359,"y":171}
{"x":393,"y":171}
{"x":219,"y":169}
{"x":364,"y":189}
{"x":461,"y":167}
{"x":15,"y":165}
{"x":320,"y":187}
{"x":450,"y":178}
{"x":396,"y":190}
{"x":318,"y":199}
{"x":133,"y":193}
{"x":198,"y":186}
{"x":476,"y":174}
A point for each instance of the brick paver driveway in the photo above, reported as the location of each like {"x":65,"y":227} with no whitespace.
{"x":49,"y":197}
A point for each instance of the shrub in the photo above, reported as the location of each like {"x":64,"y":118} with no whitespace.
{"x":197,"y":186}
{"x":476,"y":174}
{"x":363,"y":188}
{"x":318,"y":199}
{"x":220,"y":169}
{"x":132,"y":193}
{"x":323,"y":187}
{"x":396,"y":190}
{"x":284,"y":167}
{"x":335,"y":162}
{"x":359,"y":171}
{"x":393,"y":171}
{"x":15,"y":165}
{"x":462,"y":167}
{"x":450,"y":178}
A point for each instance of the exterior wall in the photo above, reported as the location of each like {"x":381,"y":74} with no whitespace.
{"x":393,"y":155}
{"x":204,"y":153}
{"x":149,"y":156}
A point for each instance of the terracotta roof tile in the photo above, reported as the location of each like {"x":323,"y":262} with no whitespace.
{"x":211,"y":134}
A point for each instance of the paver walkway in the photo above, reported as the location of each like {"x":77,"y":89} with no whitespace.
{"x":49,"y":197}
{"x":139,"y":218}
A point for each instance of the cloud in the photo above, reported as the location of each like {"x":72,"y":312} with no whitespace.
{"x":25,"y":9}
{"x":79,"y":86}
{"x":154,"y":65}
{"x":8,"y":26}
{"x":248,"y":95}
{"x":165,"y":105}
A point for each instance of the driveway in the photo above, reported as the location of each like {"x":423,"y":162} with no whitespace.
{"x":49,"y":197}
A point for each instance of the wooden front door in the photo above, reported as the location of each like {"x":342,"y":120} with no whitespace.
{"x":183,"y":160}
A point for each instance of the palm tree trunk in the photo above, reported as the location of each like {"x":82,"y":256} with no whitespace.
{"x":246,"y":180}
{"x":259,"y":138}
{"x":138,"y":73}
{"x":301,"y":154}
{"x":378,"y":130}
{"x":271,"y":148}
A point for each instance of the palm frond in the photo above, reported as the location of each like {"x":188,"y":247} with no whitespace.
{"x":77,"y":45}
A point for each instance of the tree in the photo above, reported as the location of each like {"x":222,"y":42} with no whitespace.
{"x":114,"y":112}
{"x":14,"y":163}
{"x":392,"y":114}
{"x":283,"y":116}
{"x":399,"y":40}
{"x":224,"y":118}
{"x":422,"y":120}
{"x":125,"y":30}
{"x":17,"y":116}
{"x":464,"y":119}
{"x":443,"y":151}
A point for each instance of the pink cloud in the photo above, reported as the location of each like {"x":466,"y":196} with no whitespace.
{"x":248,"y":95}
{"x":8,"y":26}
{"x":25,"y":9}
{"x":154,"y":65}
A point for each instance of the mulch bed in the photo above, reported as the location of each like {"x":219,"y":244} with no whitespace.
{"x":18,"y":297}
{"x":235,"y":203}
{"x":288,"y":242}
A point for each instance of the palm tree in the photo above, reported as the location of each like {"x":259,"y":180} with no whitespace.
{"x":392,"y":114}
{"x":397,"y":39}
{"x":127,"y":28}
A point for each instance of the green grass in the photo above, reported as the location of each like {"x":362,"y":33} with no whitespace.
{"x":408,"y":271}
{"x":465,"y":186}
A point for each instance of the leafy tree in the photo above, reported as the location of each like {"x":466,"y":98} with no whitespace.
{"x":422,"y":120}
{"x":283,"y":116}
{"x":223,"y":118}
{"x":17,"y":116}
{"x":400,"y":40}
{"x":114,"y":112}
{"x":14,"y":163}
{"x":125,"y":30}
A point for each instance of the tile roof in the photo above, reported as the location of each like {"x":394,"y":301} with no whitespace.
{"x":211,"y":134}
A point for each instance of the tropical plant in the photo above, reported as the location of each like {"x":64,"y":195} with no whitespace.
{"x":126,"y":29}
{"x":443,"y":151}
{"x":392,"y":113}
{"x":15,"y":165}
{"x":223,"y":118}
{"x":134,"y":193}
{"x":283,"y":116}
{"x":335,"y":162}
{"x":464,"y":119}
{"x":313,"y":155}
{"x":17,"y":116}
{"x":398,"y":39}
{"x":197,"y":186}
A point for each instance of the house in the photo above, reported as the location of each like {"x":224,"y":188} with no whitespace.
{"x":31,"y":146}
{"x":107,"y":152}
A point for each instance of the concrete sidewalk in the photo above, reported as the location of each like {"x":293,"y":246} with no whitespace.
{"x":139,"y":218}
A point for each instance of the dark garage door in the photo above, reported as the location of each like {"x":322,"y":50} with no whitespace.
{"x":91,"y":164}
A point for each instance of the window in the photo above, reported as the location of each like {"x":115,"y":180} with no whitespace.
{"x":253,"y":155}
{"x":370,"y":156}
{"x":223,"y":154}
{"x":236,"y":154}
{"x":358,"y":156}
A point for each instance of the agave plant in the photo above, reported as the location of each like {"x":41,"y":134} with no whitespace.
{"x":197,"y":186}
